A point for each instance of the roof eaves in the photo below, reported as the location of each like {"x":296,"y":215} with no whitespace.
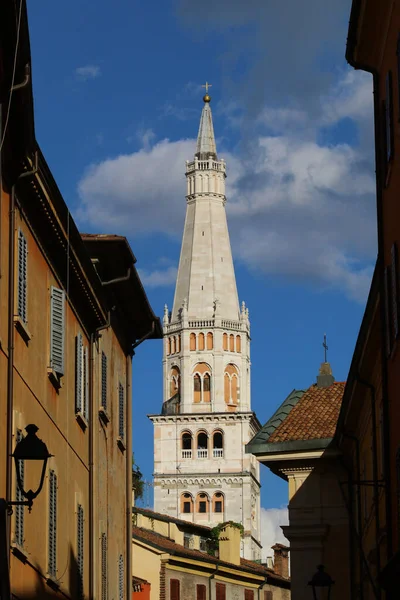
{"x":288,"y":446}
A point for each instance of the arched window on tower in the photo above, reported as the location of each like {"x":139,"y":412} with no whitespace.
{"x":238,"y":343}
{"x":193,"y":341}
{"x":168,"y":346}
{"x":202,"y":503}
{"x":218,"y":503}
{"x":231,"y":386}
{"x":186,"y":442}
{"x":232,"y":343}
{"x":218,"y":444}
{"x":178,"y":343}
{"x":173,"y":349}
{"x":201,"y":341}
{"x":196,"y":388}
{"x":202,"y":445}
{"x":206,"y":387}
{"x":186,"y":503}
{"x":225,"y":341}
{"x":202,"y":383}
{"x":174,"y":381}
{"x":209,"y":341}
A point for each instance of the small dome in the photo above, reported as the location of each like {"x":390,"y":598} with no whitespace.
{"x":207,"y":98}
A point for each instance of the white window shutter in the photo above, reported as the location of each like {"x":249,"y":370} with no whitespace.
{"x":57,"y":327}
{"x":78,"y":373}
{"x":22,"y":277}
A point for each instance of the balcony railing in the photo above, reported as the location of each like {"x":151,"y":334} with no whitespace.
{"x":186,"y":454}
{"x":202,"y":453}
{"x":218,"y":452}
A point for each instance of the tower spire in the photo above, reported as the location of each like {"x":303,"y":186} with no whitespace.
{"x":206,"y":147}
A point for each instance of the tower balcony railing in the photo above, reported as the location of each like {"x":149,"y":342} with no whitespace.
{"x":205,"y":165}
{"x":218,"y":452}
{"x":186,"y":454}
{"x":202,"y":453}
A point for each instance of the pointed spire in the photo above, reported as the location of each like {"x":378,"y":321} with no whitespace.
{"x":206,"y":147}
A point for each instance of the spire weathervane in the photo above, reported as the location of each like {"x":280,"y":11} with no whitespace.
{"x":325,"y":345}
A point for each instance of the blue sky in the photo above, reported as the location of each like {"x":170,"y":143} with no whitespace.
{"x":117,"y":105}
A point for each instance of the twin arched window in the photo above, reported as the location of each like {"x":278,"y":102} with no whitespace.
{"x":174,"y":381}
{"x":202,"y":383}
{"x":231,"y":385}
{"x":201,"y":448}
{"x":203,"y":504}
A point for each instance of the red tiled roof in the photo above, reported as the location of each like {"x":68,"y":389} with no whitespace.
{"x":152,"y":514}
{"x":313,"y":417}
{"x":167,"y":544}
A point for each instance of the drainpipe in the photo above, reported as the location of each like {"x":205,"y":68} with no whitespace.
{"x":118,"y":279}
{"x":10,"y":339}
{"x":93,"y":337}
{"x":128,"y":478}
{"x":375,"y":473}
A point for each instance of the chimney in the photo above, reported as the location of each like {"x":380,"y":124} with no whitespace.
{"x":325,"y":377}
{"x":229,"y":544}
{"x":281,"y":560}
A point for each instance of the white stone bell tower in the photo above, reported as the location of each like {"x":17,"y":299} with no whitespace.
{"x":201,"y":470}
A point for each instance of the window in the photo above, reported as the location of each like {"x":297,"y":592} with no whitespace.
{"x":389,"y":117}
{"x":121,"y":403}
{"x":81,"y":377}
{"x":206,"y":387}
{"x":395,"y":290}
{"x":121,"y":577}
{"x":187,"y":444}
{"x":174,"y":586}
{"x":174,"y":381}
{"x":196,"y":388}
{"x":225,"y":341}
{"x":218,"y":506}
{"x":104,"y":568}
{"x":19,"y":510}
{"x":232,"y":343}
{"x":52,"y":562}
{"x":231,"y":385}
{"x":210,"y":341}
{"x":186,"y":503}
{"x":57,"y":327}
{"x":202,"y":506}
{"x":202,"y":383}
{"x":248,"y":594}
{"x":187,"y":540}
{"x":22,"y":277}
{"x":202,"y":445}
{"x":168,"y":346}
{"x":218,"y":444}
{"x":193,"y":341}
{"x":202,"y":503}
{"x":218,"y":502}
{"x":173,"y":346}
{"x":203,"y":545}
{"x":104,"y":381}
{"x":238,"y":343}
{"x":79,"y":550}
{"x":220,"y":589}
{"x":200,"y":592}
{"x":201,"y":341}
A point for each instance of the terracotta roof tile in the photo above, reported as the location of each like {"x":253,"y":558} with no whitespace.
{"x":152,"y":514}
{"x":313,"y":417}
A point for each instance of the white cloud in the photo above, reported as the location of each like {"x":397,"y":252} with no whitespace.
{"x":271,"y":532}
{"x":158,"y":277}
{"x":296,"y":209}
{"x":87,"y":72}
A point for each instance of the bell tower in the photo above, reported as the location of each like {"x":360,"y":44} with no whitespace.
{"x":201,"y":470}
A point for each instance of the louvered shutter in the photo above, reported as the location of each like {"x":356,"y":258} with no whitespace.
{"x":201,"y":592}
{"x":22,"y":276}
{"x":19,"y":510}
{"x":104,"y":579}
{"x":104,"y":381}
{"x":388,"y":324}
{"x":79,"y":373}
{"x":220,"y":591}
{"x":248,"y":595}
{"x":52,"y":524}
{"x":57,"y":325}
{"x":121,"y":425}
{"x":395,"y":291}
{"x":80,"y":549}
{"x":175,"y":589}
{"x":86,"y":383}
{"x":121,"y":577}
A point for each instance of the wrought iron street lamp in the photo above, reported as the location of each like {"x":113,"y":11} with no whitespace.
{"x":321,"y":584}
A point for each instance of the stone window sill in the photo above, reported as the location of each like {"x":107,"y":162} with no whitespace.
{"x":22,"y":329}
{"x":121,"y":444}
{"x":19,"y":552}
{"x":82,"y":421}
{"x":54,"y":378}
{"x":53,"y":583}
{"x":103,"y":414}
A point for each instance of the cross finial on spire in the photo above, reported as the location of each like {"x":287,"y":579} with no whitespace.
{"x":325,"y":345}
{"x":207,"y":85}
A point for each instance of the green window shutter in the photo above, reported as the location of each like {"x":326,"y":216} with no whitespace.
{"x":80,"y":549}
{"x":121,"y":422}
{"x":86,"y":383}
{"x":52,"y":550}
{"x":104,"y":381}
{"x":19,"y":510}
{"x":79,"y":374}
{"x":22,"y":276}
{"x":57,"y":327}
{"x":104,"y":579}
{"x":121,"y":578}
